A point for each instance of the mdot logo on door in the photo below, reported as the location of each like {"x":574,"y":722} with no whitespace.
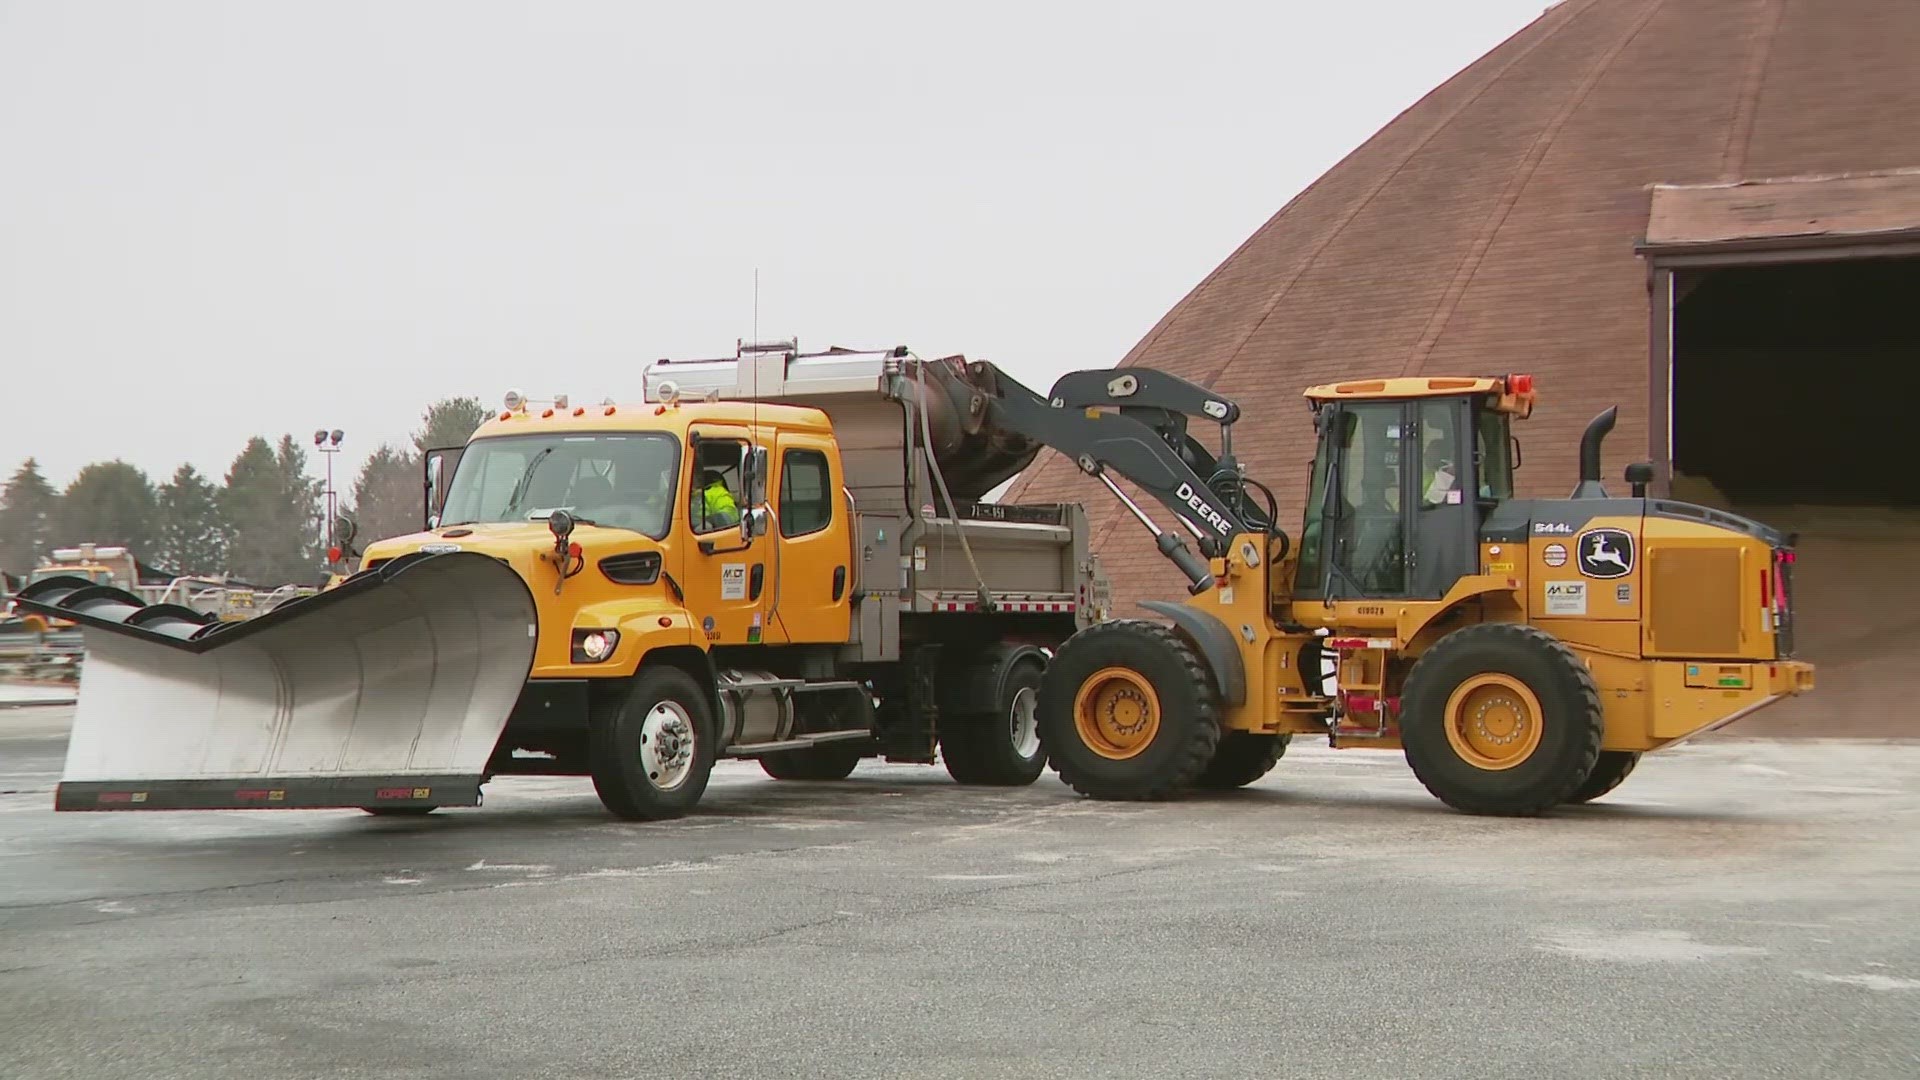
{"x":1606,"y":553}
{"x":733,"y":581}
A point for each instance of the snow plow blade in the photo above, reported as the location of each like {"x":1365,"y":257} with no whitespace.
{"x":390,"y":689}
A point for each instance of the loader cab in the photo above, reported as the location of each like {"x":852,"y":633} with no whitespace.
{"x":1404,"y":471}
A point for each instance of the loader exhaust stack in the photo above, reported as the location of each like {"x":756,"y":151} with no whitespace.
{"x":1590,"y":440}
{"x":391,"y":689}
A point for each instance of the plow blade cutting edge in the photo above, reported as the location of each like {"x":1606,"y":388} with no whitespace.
{"x":389,"y":690}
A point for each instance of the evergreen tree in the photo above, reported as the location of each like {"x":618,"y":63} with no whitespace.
{"x":386,"y":495}
{"x":110,"y":502}
{"x":449,"y":422}
{"x":268,"y":545}
{"x":305,"y":499}
{"x":192,"y":535}
{"x":28,"y":506}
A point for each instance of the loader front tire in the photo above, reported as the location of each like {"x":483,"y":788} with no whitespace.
{"x":1128,"y":710}
{"x":827,"y":762}
{"x":652,"y":750}
{"x":1240,"y":759}
{"x":1608,"y":772}
{"x":1001,"y":748}
{"x":1502,"y":719}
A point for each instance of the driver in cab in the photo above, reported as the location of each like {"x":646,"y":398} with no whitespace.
{"x":717,"y":506}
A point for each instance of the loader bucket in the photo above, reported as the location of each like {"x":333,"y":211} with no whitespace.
{"x":389,"y":690}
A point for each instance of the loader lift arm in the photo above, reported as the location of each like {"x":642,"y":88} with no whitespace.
{"x":1144,"y":440}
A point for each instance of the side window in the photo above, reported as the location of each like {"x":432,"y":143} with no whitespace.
{"x":714,"y":502}
{"x":806,"y":493}
{"x":1442,"y":466}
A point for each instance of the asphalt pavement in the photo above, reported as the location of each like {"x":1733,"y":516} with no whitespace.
{"x":1738,"y":908}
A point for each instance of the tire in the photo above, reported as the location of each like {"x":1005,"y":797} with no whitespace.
{"x":669,"y":712}
{"x":828,"y":762}
{"x":399,"y":811}
{"x":1000,"y":748}
{"x":1544,"y":736}
{"x":1128,"y":710}
{"x":1608,"y":772}
{"x":1240,"y":759}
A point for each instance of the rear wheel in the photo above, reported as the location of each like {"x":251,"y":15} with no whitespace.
{"x":1240,"y":759}
{"x":828,"y":762}
{"x":1000,"y":748}
{"x":652,"y":751}
{"x":1608,"y":772}
{"x":1501,"y":718}
{"x":1127,"y":710}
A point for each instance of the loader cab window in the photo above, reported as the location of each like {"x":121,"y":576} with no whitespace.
{"x":1493,"y":450}
{"x":622,"y":480}
{"x":715,"y":497}
{"x":1391,"y":510}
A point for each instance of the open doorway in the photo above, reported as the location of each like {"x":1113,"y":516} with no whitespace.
{"x":1795,"y":384}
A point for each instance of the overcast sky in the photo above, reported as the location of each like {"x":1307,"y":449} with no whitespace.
{"x":222,"y":219}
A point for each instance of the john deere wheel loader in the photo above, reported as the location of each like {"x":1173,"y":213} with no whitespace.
{"x":776,"y":556}
{"x":1521,"y":653}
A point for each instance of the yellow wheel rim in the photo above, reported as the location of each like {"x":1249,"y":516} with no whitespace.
{"x":1493,"y":721}
{"x":1116,"y":713}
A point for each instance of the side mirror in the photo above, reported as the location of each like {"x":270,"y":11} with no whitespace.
{"x":753,"y":477}
{"x":754,"y":523}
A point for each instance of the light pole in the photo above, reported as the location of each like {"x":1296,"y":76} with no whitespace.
{"x":328,"y":443}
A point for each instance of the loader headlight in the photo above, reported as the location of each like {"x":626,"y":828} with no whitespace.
{"x":593,"y":646}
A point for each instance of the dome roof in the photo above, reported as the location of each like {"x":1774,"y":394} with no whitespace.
{"x":1491,"y":227}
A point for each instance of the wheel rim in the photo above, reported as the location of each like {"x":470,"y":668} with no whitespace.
{"x":1023,"y":724}
{"x":1116,"y":713}
{"x":666,"y":745}
{"x":1493,"y":721}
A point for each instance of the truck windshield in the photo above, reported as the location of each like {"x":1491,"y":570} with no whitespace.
{"x":624,"y":480}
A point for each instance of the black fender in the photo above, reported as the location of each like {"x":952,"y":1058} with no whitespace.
{"x":1216,"y":644}
{"x":974,"y":686}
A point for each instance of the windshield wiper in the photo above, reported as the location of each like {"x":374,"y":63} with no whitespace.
{"x":526,"y":478}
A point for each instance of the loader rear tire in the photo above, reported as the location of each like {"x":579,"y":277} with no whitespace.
{"x":1128,"y":710}
{"x":651,"y":751}
{"x":1240,"y":759}
{"x":1000,"y":748}
{"x":813,"y":763}
{"x":1608,"y":772}
{"x":1501,"y":718}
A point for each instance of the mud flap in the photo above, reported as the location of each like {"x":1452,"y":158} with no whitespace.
{"x":390,"y":689}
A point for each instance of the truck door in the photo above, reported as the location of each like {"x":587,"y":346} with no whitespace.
{"x":811,"y":601}
{"x":727,"y":582}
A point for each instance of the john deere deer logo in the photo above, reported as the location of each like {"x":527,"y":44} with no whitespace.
{"x":1606,"y":553}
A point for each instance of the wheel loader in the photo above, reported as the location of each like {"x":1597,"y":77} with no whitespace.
{"x":775,"y":555}
{"x":1521,"y":653}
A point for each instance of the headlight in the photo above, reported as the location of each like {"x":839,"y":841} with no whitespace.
{"x":593,"y":646}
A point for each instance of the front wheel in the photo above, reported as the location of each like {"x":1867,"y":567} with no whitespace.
{"x":1501,"y":718}
{"x":1242,"y":758}
{"x":1128,"y":710}
{"x":652,"y":751}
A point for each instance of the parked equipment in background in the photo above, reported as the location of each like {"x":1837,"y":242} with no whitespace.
{"x":776,"y":555}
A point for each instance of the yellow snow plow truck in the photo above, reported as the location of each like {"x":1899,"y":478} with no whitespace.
{"x":761,"y":559}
